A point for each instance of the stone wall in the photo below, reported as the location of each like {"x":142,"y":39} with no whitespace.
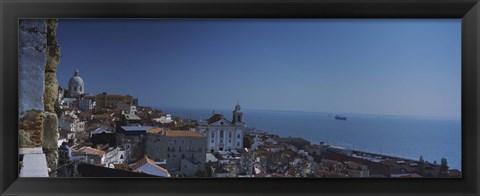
{"x":39,"y":56}
{"x":31,"y":68}
{"x":50,"y":136}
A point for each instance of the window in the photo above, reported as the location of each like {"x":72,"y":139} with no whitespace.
{"x":221,"y":134}
{"x":238,"y":143}
{"x":211,"y":141}
{"x":230,"y":135}
{"x":199,"y":149}
{"x":180,"y":149}
{"x":229,"y":141}
{"x":80,"y":88}
{"x":183,"y":141}
{"x":238,"y":136}
{"x":168,"y":155}
{"x":174,"y":141}
{"x":212,"y":135}
{"x":183,"y":156}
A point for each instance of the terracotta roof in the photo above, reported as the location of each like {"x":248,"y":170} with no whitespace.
{"x":89,"y":150}
{"x":146,"y":160}
{"x":99,"y":116}
{"x":214,"y":118}
{"x":176,"y":133}
{"x":118,"y":111}
{"x":156,"y":130}
{"x":121,"y":166}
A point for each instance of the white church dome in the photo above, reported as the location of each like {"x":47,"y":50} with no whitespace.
{"x":76,"y":84}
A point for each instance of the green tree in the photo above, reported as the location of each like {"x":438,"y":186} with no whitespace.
{"x":201,"y":173}
{"x":421,"y":166}
{"x":247,"y":141}
{"x":443,"y":167}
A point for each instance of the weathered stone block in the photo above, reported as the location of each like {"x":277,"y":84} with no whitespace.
{"x":31,"y":129}
{"x":53,"y":51}
{"x":52,"y":160}
{"x":31,"y":62}
{"x":50,"y":138}
{"x":50,"y":131}
{"x":51,"y":91}
{"x":33,"y":33}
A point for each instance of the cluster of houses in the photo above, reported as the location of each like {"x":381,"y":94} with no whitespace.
{"x":112,"y":131}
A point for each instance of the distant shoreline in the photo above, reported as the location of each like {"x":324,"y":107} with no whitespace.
{"x":318,"y":112}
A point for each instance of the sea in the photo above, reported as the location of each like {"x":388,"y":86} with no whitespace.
{"x":402,"y":136}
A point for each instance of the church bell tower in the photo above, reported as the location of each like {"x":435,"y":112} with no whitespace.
{"x":237,"y":118}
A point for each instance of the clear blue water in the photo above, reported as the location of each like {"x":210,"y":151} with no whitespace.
{"x":402,"y":136}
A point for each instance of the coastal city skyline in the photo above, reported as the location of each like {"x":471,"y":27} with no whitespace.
{"x":277,"y":103}
{"x":393,"y":67}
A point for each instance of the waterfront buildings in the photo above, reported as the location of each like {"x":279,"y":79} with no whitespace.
{"x":111,"y":131}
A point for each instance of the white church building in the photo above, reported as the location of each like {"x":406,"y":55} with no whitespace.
{"x":76,"y":86}
{"x":222,"y":134}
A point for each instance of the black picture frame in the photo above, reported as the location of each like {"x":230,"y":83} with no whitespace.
{"x":467,"y":10}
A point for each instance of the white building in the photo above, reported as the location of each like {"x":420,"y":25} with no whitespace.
{"x":106,"y":158}
{"x":80,"y":126}
{"x":90,"y":155}
{"x":86,"y":104}
{"x":69,"y":122}
{"x":76,"y":84}
{"x":68,"y":103}
{"x":127,"y":108}
{"x":164,"y":119}
{"x":222,"y":134}
{"x":148,"y":166}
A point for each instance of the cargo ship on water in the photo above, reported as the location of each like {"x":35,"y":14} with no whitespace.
{"x":339,"y":117}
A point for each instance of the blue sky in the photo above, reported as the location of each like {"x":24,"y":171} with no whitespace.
{"x":399,"y":67}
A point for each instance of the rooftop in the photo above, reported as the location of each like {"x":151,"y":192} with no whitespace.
{"x":214,"y":118}
{"x":155,"y":130}
{"x":89,"y":150}
{"x":146,"y":165}
{"x":177,"y":133}
{"x":133,"y":128}
{"x":132,"y":117}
